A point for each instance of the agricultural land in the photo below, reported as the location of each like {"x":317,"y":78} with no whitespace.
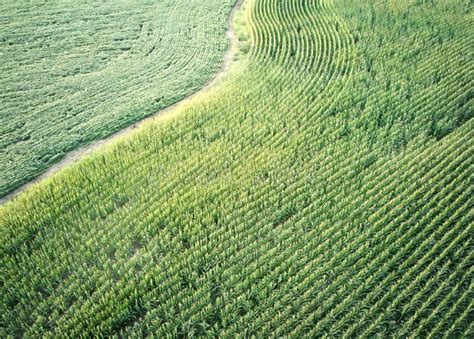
{"x":323,"y":187}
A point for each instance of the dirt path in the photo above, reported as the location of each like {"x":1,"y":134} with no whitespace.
{"x":81,"y":152}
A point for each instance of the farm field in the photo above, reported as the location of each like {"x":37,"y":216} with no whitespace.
{"x":72,"y":74}
{"x":323,"y":188}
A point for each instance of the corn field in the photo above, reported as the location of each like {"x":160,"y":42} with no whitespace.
{"x":323,"y":188}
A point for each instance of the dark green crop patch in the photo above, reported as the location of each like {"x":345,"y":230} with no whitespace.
{"x":74,"y":73}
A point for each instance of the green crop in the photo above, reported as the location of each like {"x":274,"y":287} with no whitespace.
{"x":324,"y":188}
{"x":76,"y":72}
